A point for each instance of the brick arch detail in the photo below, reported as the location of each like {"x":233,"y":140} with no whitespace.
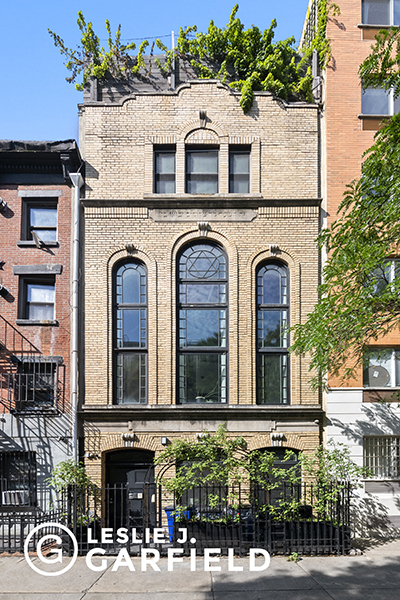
{"x":192,"y":126}
{"x":291,"y":440}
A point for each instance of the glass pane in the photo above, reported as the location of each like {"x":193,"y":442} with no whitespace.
{"x":202,"y":378}
{"x":239,"y":184}
{"x":46,"y":235}
{"x":130,"y":329}
{"x":272,"y":285}
{"x":272,"y":329}
{"x":165,"y":162}
{"x":131,"y":378}
{"x":202,"y":161}
{"x":202,"y":327}
{"x":40,"y":293}
{"x":203,"y":294}
{"x":380,"y":277}
{"x":239,"y":162}
{"x":43,"y":217}
{"x":378,"y":368}
{"x":375,"y":102}
{"x":396,"y":19}
{"x":376,"y":12}
{"x":396,"y":105}
{"x":131,"y":286}
{"x":272,"y":379}
{"x":202,"y":184}
{"x":165,"y":184}
{"x":202,"y":261}
{"x":40,"y":312}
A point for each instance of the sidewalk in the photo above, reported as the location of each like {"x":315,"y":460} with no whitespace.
{"x":372,"y":576}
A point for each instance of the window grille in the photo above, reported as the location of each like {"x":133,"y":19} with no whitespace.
{"x":382,"y":456}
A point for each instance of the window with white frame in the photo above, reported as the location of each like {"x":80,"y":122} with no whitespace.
{"x":381,"y":12}
{"x":378,"y":101}
{"x":382,"y":456}
{"x":382,"y":367}
{"x":383,"y":276}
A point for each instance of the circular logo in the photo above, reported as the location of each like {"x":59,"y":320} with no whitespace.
{"x":48,"y":537}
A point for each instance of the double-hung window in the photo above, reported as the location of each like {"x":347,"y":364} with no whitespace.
{"x":164,"y":170}
{"x":378,"y":101}
{"x":239,"y":170}
{"x":201,"y":170}
{"x":130,"y":333}
{"x":272,"y":334}
{"x":40,"y":218}
{"x":381,"y":12}
{"x":202,"y":317}
{"x":37,"y":299}
{"x":382,"y":367}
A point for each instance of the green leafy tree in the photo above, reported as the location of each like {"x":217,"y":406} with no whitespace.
{"x":247,"y":59}
{"x":359,"y":301}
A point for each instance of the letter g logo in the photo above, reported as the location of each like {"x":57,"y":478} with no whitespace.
{"x":50,"y":537}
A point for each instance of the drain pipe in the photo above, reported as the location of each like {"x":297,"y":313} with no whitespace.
{"x":77,"y":182}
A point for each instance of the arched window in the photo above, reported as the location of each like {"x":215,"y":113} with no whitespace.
{"x":272,"y":334}
{"x":130,"y":333}
{"x":202,"y":318}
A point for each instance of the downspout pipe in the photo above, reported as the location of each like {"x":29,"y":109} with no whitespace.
{"x":77,"y":182}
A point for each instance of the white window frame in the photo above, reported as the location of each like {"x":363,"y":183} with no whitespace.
{"x":391,"y":15}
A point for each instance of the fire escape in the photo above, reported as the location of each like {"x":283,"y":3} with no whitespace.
{"x":29,"y":381}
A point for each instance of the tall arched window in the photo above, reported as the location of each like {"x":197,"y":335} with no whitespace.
{"x":272,"y":334}
{"x":130,"y":333}
{"x":202,"y":317}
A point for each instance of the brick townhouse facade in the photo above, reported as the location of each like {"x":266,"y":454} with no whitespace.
{"x":35,"y":316}
{"x":360,"y":412}
{"x":199,"y":250}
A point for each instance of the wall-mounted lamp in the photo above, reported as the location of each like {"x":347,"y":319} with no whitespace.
{"x":164,"y":440}
{"x":91,"y":455}
{"x":201,"y":436}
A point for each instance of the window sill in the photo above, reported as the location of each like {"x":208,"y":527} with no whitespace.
{"x":373,"y":26}
{"x":31,"y":244}
{"x":52,"y":323}
{"x":218,"y":195}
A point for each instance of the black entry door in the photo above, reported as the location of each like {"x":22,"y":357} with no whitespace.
{"x":131,"y":488}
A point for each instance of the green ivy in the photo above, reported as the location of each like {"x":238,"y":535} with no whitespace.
{"x":247,"y":60}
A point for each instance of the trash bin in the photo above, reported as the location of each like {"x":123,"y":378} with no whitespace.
{"x":170,"y":512}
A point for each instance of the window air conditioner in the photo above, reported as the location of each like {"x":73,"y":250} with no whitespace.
{"x":15,"y":498}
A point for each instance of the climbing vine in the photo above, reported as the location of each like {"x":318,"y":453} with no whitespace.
{"x":248,"y":60}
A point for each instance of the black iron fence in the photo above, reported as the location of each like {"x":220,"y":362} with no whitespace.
{"x":305,"y":518}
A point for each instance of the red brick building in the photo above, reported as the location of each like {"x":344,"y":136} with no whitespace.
{"x":36,"y":216}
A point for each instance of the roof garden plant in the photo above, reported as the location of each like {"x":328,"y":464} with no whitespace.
{"x":248,"y":60}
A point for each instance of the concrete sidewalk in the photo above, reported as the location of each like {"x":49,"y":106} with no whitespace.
{"x":372,"y":576}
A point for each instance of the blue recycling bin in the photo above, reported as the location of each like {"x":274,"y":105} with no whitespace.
{"x":170,"y":512}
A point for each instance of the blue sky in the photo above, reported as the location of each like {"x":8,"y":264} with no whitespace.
{"x":35,"y":100}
